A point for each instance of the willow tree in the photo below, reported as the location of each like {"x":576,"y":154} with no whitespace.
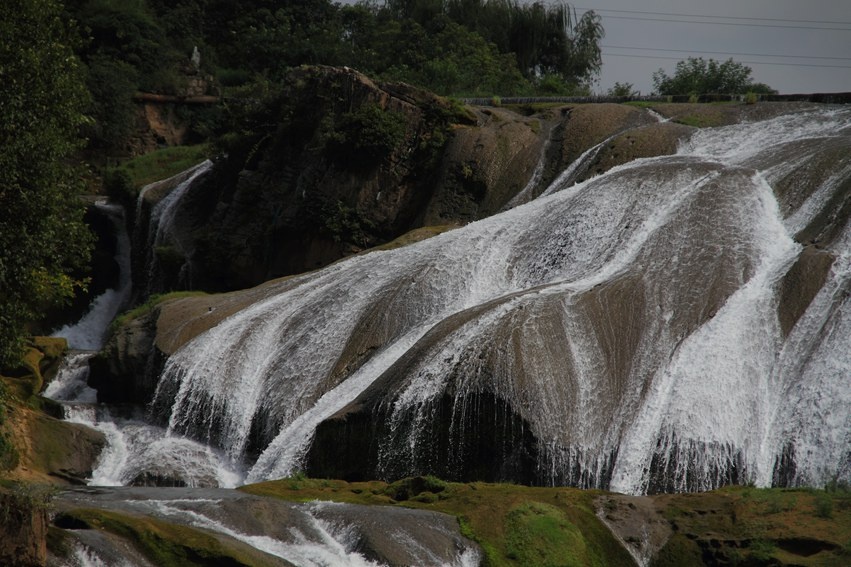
{"x":696,"y":75}
{"x":42,"y":235}
{"x":546,"y":39}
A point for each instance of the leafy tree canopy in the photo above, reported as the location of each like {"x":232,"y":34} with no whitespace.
{"x":42,"y":236}
{"x":696,"y":76}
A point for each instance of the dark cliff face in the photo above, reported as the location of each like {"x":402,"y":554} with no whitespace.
{"x":335,"y":164}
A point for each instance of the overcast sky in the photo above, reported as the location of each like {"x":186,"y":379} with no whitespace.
{"x":781,"y":31}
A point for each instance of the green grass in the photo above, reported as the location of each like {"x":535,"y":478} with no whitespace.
{"x":641,"y":103}
{"x":146,"y":307}
{"x":162,"y":163}
{"x":514,"y":525}
{"x":751,"y":526}
{"x":541,"y":534}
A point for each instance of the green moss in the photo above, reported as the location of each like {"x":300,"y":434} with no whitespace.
{"x":410,"y":488}
{"x":540,"y":534}
{"x":159,"y":164}
{"x":9,"y":455}
{"x":535,"y":126}
{"x":678,"y":550}
{"x":146,"y":307}
{"x":166,"y":545}
{"x":487,"y":513}
{"x":640,"y":103}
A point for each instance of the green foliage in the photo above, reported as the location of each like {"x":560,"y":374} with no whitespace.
{"x":344,"y":224}
{"x":622,"y":89}
{"x":165,"y":544}
{"x":126,"y":31}
{"x":761,"y":550}
{"x":541,"y":534}
{"x":9,"y":455}
{"x":697,"y":76}
{"x":125,"y":50}
{"x":824,"y":506}
{"x":112,"y":84}
{"x":367,"y":135}
{"x":148,"y":306}
{"x":133,"y":174}
{"x":421,"y":488}
{"x":460,"y":47}
{"x":42,"y":235}
{"x":545,"y":38}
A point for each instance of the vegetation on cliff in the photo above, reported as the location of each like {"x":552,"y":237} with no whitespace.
{"x":470,"y":48}
{"x":43,"y":240}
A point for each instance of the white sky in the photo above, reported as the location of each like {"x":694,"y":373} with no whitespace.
{"x":826,"y":67}
{"x":787,"y":45}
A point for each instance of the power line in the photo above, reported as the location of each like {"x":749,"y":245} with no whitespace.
{"x":747,"y":62}
{"x":728,"y":53}
{"x":718,"y":17}
{"x":727,"y":23}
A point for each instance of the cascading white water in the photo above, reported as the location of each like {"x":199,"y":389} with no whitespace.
{"x":630,"y":321}
{"x":135,"y":451}
{"x":161,"y":229}
{"x":315,"y":534}
{"x":89,"y":333}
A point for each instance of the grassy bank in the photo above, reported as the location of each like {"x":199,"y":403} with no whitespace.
{"x":519,"y":525}
{"x":515,"y":525}
{"x":160,"y":164}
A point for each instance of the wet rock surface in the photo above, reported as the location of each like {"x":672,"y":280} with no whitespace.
{"x":389,"y":536}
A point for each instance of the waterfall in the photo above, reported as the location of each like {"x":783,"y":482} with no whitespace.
{"x":89,"y":333}
{"x":136,"y":452}
{"x":161,"y":229}
{"x":628,"y":324}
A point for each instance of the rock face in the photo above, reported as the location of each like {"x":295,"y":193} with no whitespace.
{"x":282,"y":533}
{"x":23,"y":531}
{"x":337,"y":163}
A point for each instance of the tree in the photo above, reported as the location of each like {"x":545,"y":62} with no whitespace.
{"x":696,"y":76}
{"x":622,"y":89}
{"x":42,"y":235}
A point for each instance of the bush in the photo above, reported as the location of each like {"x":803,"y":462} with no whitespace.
{"x":367,"y":135}
{"x":420,"y":488}
{"x":9,"y":456}
{"x":824,"y":506}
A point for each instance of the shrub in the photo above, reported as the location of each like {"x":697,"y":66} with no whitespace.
{"x":824,"y":506}
{"x":367,"y":135}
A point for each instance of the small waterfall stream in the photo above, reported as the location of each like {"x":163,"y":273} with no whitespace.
{"x":160,"y":227}
{"x":90,"y":332}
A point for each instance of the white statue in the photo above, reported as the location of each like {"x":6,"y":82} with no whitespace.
{"x":196,"y":58}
